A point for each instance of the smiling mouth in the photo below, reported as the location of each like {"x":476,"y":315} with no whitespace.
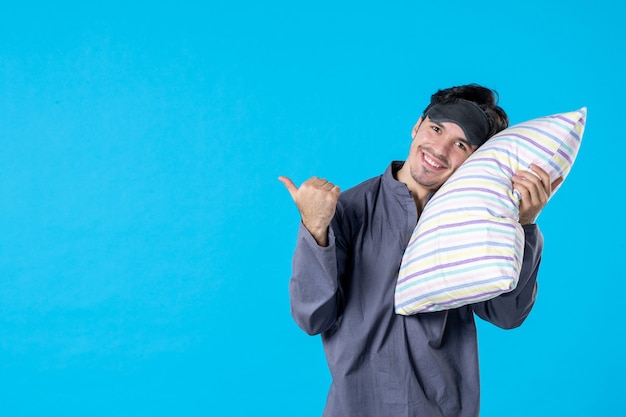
{"x":431,"y":162}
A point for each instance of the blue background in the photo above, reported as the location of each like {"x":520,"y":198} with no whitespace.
{"x":145,"y":242}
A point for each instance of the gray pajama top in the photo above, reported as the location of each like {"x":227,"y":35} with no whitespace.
{"x":383,"y":364}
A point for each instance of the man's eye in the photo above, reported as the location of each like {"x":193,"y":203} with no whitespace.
{"x":436,"y":128}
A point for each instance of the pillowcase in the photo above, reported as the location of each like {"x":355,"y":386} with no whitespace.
{"x":468,"y":245}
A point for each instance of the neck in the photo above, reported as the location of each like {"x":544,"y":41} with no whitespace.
{"x":419,"y":193}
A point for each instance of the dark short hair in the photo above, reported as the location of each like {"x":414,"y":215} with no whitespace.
{"x":487,"y":99}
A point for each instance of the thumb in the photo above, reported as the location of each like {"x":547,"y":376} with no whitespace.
{"x":291,"y":187}
{"x":556,"y":183}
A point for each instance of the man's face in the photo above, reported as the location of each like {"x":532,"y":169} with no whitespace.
{"x":437,"y":150}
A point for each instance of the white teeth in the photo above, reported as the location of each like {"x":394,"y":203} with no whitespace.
{"x":431,"y":162}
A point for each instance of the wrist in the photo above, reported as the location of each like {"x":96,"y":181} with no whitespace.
{"x":319,"y":233}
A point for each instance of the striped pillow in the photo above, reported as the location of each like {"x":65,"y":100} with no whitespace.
{"x":468,"y":244}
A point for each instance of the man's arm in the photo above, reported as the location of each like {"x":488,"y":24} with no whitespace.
{"x":509,"y":310}
{"x":314,"y":286}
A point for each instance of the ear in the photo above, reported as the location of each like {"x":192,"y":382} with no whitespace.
{"x":416,"y":127}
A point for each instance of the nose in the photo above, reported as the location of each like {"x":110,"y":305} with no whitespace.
{"x":442,"y":148}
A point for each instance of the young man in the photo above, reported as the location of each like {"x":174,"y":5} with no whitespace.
{"x":348,"y":253}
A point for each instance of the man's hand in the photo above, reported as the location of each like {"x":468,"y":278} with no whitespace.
{"x":316,"y":200}
{"x":535,"y":188}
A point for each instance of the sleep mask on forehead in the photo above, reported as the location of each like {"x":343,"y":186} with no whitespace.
{"x":467,"y":115}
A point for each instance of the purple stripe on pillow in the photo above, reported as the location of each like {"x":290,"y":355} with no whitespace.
{"x":491,"y":179}
{"x":488,"y":243}
{"x":533,"y":143}
{"x":474,"y":190}
{"x":455,"y":288}
{"x":565,"y":156}
{"x":455,"y":225}
{"x":457,"y":263}
{"x":474,"y":209}
{"x":557,"y":137}
{"x":497,"y":162}
{"x":459,"y":301}
{"x":483,"y":295}
{"x":565,"y":119}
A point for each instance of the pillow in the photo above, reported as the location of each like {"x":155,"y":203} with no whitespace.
{"x":468,"y":244}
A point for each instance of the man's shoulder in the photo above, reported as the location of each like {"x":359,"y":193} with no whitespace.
{"x":366,"y":187}
{"x":354,"y":204}
{"x":372,"y":184}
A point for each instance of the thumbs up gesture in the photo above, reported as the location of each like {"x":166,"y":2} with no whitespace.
{"x":316,"y":199}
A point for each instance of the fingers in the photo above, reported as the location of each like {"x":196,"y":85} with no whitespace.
{"x":313,"y":183}
{"x":291,"y":187}
{"x":543,"y":175}
{"x":316,"y":199}
{"x":528,"y":180}
{"x":322,"y":183}
{"x":556,"y":183}
{"x":535,"y":189}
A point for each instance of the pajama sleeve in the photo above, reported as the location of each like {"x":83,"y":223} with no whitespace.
{"x":314,"y":288}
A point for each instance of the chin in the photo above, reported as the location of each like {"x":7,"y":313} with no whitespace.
{"x":427,"y":183}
